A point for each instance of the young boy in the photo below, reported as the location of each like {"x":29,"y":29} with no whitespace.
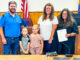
{"x":24,"y":41}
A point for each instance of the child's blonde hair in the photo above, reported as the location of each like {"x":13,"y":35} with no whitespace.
{"x":24,"y":28}
{"x":35,"y":26}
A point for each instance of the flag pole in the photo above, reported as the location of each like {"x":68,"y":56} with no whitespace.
{"x":79,"y":7}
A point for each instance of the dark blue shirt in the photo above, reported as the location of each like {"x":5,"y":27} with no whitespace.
{"x":73,"y":29}
{"x":11,"y":25}
{"x":71,"y":40}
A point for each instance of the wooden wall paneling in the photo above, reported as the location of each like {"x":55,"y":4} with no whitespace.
{"x":77,"y":43}
{"x":55,"y":13}
{"x":59,"y":13}
{"x":35,"y":15}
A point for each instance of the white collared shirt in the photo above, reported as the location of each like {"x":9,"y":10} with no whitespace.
{"x":46,"y":27}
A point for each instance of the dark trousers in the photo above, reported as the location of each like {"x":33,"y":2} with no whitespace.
{"x":12,"y":45}
{"x":54,"y":45}
{"x":63,"y":48}
{"x":47,"y":47}
{"x":50,"y":47}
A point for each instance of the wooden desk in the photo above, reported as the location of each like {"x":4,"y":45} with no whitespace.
{"x":24,"y":57}
{"x":31,"y":57}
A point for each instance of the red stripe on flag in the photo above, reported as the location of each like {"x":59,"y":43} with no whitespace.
{"x":24,"y":8}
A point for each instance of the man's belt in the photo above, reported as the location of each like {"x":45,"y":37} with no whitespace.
{"x":12,"y":38}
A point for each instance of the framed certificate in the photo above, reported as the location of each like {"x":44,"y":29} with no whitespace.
{"x":62,"y":35}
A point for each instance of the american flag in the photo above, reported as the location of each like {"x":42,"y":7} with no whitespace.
{"x":24,"y":8}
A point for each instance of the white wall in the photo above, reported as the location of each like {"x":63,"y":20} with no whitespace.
{"x":4,"y":5}
{"x":37,"y":5}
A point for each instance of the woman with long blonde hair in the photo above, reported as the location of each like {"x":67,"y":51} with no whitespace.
{"x":48,"y":24}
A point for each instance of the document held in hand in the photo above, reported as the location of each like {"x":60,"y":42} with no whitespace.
{"x":62,"y":35}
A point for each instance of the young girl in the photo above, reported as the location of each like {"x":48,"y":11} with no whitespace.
{"x":24,"y":41}
{"x":36,"y":41}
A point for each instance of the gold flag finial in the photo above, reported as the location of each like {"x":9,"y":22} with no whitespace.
{"x":79,"y":1}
